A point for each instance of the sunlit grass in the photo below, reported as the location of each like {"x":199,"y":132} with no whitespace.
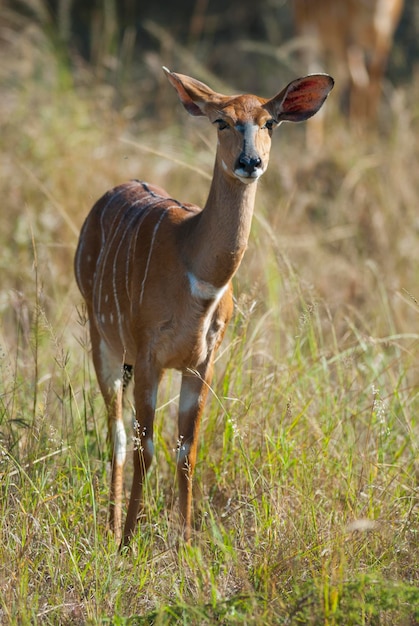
{"x":306,"y":481}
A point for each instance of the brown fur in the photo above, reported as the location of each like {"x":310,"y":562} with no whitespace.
{"x":156,"y":277}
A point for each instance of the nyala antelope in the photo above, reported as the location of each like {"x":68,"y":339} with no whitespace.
{"x":156,"y":274}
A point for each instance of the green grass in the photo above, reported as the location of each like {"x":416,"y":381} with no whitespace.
{"x":306,"y":482}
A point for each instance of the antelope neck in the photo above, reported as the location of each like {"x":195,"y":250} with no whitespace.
{"x":219,"y":233}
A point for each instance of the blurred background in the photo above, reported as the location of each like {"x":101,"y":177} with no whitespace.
{"x":314,"y":417}
{"x":243,"y":44}
{"x":85,"y":106}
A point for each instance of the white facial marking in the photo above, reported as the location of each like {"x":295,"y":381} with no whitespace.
{"x":119,"y":442}
{"x":246,"y":178}
{"x":223,"y":163}
{"x":249,"y":132}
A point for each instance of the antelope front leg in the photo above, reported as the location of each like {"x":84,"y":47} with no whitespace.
{"x":193,"y":394}
{"x":145,"y":394}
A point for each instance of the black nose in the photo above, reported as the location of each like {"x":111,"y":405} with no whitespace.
{"x":249,"y":163}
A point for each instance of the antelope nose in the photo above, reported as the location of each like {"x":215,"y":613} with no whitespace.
{"x":249,"y":163}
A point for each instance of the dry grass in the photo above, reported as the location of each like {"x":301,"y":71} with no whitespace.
{"x":307,"y":476}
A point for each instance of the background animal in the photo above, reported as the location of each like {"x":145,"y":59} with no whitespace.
{"x":353,"y":38}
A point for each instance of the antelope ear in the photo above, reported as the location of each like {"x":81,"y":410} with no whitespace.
{"x":193,"y":94}
{"x":301,"y":99}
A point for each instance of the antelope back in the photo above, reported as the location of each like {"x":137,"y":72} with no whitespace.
{"x":123,"y":234}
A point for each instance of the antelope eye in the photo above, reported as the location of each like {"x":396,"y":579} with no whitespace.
{"x":221,"y":124}
{"x":270,"y":124}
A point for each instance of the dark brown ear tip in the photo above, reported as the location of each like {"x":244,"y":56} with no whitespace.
{"x":329,"y":80}
{"x":324,"y":81}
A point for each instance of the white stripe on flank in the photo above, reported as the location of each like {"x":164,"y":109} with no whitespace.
{"x":109,"y":202}
{"x":102,"y":231}
{"x":132,"y":243}
{"x":114,"y":270}
{"x":103,"y":259}
{"x":156,"y":228}
{"x":108,"y":240}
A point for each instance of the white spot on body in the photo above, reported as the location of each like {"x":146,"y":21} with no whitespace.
{"x":203,"y":290}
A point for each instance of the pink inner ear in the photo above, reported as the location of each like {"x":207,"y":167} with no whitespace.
{"x":300,"y":100}
{"x":184,"y":97}
{"x":304,"y":97}
{"x":191,"y":107}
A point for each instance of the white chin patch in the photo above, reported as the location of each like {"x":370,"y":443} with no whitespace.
{"x":246,"y":178}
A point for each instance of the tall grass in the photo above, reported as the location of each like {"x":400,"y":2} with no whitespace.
{"x":306,"y":483}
